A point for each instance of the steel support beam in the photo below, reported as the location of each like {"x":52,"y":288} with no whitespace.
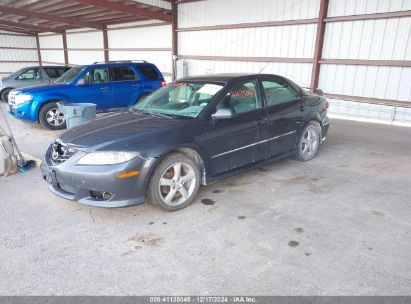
{"x":174,"y":38}
{"x":38,"y":49}
{"x":49,"y":17}
{"x":66,"y":61}
{"x":30,"y":27}
{"x":128,"y":9}
{"x":319,"y":42}
{"x":105,"y":44}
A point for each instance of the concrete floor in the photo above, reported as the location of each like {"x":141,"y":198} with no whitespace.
{"x":337,"y":225}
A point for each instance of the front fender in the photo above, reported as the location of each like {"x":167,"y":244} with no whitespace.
{"x":39,"y":101}
{"x":156,"y":158}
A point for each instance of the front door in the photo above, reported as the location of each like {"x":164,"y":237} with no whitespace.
{"x":30,"y":77}
{"x":286,"y":112}
{"x":127,"y":87}
{"x":94,"y":87}
{"x":240,"y":140}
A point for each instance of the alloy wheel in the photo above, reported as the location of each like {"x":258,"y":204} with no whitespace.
{"x":55,"y":117}
{"x":177,"y":184}
{"x":309,"y":142}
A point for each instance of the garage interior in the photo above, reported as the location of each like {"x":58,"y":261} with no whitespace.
{"x":337,"y":225}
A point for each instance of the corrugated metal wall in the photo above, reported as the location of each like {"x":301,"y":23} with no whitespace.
{"x":271,"y":41}
{"x":151,"y":43}
{"x":383,"y":39}
{"x":16,"y":51}
{"x":148,"y":40}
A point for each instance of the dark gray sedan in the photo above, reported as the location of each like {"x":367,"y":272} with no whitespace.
{"x":190,"y":133}
{"x":30,"y":76}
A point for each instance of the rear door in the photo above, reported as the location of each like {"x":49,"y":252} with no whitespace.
{"x":127,"y":86}
{"x":240,"y":140}
{"x":286,"y":113}
{"x":94,"y":87}
{"x":152,"y":77}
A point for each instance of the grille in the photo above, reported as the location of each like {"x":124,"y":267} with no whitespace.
{"x":12,"y":99}
{"x":58,"y":153}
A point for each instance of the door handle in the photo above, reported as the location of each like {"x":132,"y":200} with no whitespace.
{"x":136,"y":85}
{"x":104,"y":88}
{"x":303,"y":107}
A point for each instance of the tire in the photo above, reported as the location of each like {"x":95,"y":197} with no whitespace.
{"x":5,"y":95}
{"x":48,"y":121}
{"x":166,"y":190}
{"x":308,"y":142}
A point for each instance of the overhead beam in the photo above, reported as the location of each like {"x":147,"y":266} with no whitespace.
{"x":29,"y":27}
{"x":127,"y":9}
{"x":49,"y":17}
{"x":319,"y":42}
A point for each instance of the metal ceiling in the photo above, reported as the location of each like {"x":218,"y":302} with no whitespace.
{"x":34,"y":16}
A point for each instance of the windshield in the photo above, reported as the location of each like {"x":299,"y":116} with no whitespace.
{"x":70,"y":75}
{"x":180,"y":99}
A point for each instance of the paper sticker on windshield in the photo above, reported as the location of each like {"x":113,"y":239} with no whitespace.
{"x":210,"y":89}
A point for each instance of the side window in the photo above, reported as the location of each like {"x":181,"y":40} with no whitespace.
{"x":122,"y":74}
{"x":278,"y":92}
{"x":30,"y":75}
{"x":52,"y":72}
{"x":242,"y":98}
{"x":98,"y":75}
{"x":149,"y":72}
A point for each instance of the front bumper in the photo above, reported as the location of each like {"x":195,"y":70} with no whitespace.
{"x":81,"y":182}
{"x":24,"y":111}
{"x":325,"y":126}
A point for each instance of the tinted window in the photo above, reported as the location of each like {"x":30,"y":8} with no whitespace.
{"x":278,"y":92}
{"x":149,"y":72}
{"x":122,"y":74}
{"x":55,"y":72}
{"x":242,"y":98}
{"x":30,"y":74}
{"x":98,"y":75}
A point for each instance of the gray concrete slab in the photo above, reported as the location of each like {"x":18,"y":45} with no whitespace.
{"x":337,"y":225}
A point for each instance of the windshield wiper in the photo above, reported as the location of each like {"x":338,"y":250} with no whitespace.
{"x":140,"y":111}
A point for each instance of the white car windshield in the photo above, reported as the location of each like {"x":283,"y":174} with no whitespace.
{"x":180,"y":99}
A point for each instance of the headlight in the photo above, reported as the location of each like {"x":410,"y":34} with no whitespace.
{"x":22,"y":98}
{"x":106,"y":158}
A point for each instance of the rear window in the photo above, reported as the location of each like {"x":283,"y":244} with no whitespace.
{"x":149,"y":72}
{"x":55,"y":72}
{"x":122,"y":74}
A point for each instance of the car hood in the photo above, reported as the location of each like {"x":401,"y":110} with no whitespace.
{"x":39,"y":88}
{"x":120,"y":132}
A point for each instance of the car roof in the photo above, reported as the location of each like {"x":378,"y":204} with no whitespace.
{"x":223,"y":77}
{"x":45,"y":66}
{"x":119,"y":63}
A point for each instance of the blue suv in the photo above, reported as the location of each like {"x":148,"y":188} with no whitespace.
{"x":110,"y":86}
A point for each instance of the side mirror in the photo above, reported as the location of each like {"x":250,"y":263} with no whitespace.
{"x":223,"y":113}
{"x":81,"y":82}
{"x":319,"y":92}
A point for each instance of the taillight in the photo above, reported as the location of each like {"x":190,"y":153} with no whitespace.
{"x":163,"y":83}
{"x":326,"y":106}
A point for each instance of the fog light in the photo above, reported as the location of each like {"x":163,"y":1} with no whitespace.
{"x":105,"y":196}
